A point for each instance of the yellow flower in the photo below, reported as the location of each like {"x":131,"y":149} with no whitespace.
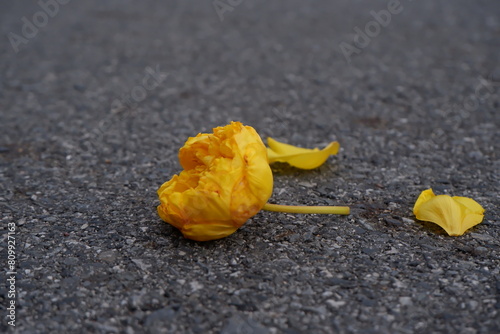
{"x":225,"y":181}
{"x":299,"y":157}
{"x":454,"y":214}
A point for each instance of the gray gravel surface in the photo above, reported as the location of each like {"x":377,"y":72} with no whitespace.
{"x":96,"y":102}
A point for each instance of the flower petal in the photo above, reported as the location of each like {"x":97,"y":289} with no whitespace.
{"x":454,"y":214}
{"x":299,"y":157}
{"x":444,"y":211}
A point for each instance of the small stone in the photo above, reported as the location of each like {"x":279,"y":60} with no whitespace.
{"x":480,"y":251}
{"x":306,"y":184}
{"x":335,"y":303}
{"x":366,"y":225}
{"x":392,"y":206}
{"x":359,"y":230}
{"x":195,"y":286}
{"x":473,"y":304}
{"x":107,"y":256}
{"x":482,"y":237}
{"x":327,"y":294}
{"x":407,"y":220}
{"x":393,"y":222}
{"x":141,"y":264}
{"x":405,"y":301}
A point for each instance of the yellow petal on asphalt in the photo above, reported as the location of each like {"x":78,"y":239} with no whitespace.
{"x":299,"y":157}
{"x":454,"y":214}
{"x":444,"y":211}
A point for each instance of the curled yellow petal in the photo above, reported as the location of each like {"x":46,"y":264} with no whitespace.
{"x":454,"y":214}
{"x":299,"y":157}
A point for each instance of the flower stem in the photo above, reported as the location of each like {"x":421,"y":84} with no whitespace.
{"x":336,"y":210}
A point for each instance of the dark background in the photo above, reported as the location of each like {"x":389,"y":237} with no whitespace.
{"x":84,"y":147}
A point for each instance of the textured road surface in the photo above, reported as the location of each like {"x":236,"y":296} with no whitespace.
{"x":100,"y":95}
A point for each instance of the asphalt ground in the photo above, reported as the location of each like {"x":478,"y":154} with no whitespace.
{"x":96,"y":98}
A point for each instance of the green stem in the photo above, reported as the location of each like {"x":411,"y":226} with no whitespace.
{"x":336,"y":210}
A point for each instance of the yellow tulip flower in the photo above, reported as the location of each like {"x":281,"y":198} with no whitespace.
{"x":454,"y":214}
{"x":303,"y":158}
{"x":225,"y":181}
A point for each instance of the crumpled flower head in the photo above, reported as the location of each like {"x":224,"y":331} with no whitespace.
{"x":225,"y":181}
{"x":454,"y":214}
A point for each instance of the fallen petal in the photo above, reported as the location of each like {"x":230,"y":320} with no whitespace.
{"x":454,"y":214}
{"x":299,"y":157}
